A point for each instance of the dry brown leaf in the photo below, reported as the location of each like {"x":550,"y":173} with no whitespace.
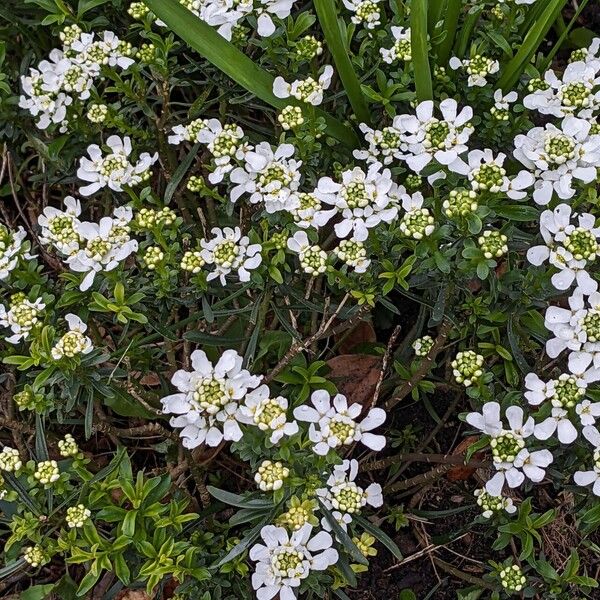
{"x":461,"y":472}
{"x":132,"y":595}
{"x":355,"y":375}
{"x":362,"y":333}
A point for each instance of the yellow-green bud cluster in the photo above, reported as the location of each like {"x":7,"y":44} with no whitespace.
{"x":488,"y":177}
{"x":491,"y":504}
{"x":566,"y":392}
{"x":559,"y":148}
{"x":194,"y":128}
{"x":210,"y":394}
{"x":225,"y":253}
{"x":579,"y":54}
{"x":35,"y":556}
{"x":279,"y":240}
{"x":192,"y":261}
{"x":47,"y":472}
{"x":288,"y":562}
{"x":24,"y":313}
{"x":10,"y":460}
{"x":97,"y":113}
{"x":348,"y":498}
{"x":367,"y":12}
{"x":365,"y":544}
{"x":351,"y":252}
{"x":70,"y":344}
{"x":591,"y":325}
{"x":153,"y":257}
{"x":290,"y":117}
{"x":69,"y":34}
{"x":441,"y":74}
{"x":356,"y":195}
{"x":436,"y":133}
{"x":313,"y":261}
{"x":196,"y":184}
{"x":500,"y":114}
{"x":417,"y":224}
{"x":77,"y":516}
{"x":413,"y":182}
{"x":298,"y":514}
{"x":582,"y":244}
{"x":146,"y":53}
{"x":27,"y":399}
{"x":68,"y":447}
{"x":423,"y":345}
{"x":149,"y":218}
{"x":402,"y":50}
{"x":497,"y":12}
{"x":506,"y":446}
{"x":308,"y":47}
{"x":138,"y":10}
{"x":239,"y":35}
{"x":536,"y":84}
{"x":493,"y":244}
{"x":460,"y":203}
{"x":575,"y":94}
{"x":270,"y":475}
{"x":512,"y":579}
{"x":3,"y":490}
{"x":480,"y":65}
{"x":467,"y":367}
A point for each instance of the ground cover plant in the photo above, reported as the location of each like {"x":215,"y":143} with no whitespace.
{"x":299,"y":299}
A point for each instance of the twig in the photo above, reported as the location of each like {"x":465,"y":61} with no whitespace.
{"x":384,"y":367}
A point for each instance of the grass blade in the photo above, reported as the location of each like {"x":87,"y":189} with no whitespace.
{"x":450,"y":26}
{"x":420,"y":51}
{"x":226,"y":57}
{"x":328,"y":18}
{"x":535,"y":36}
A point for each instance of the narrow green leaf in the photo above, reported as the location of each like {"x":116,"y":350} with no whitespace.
{"x":420,"y":50}
{"x":378,"y":534}
{"x":450,"y":26}
{"x":179,"y":174}
{"x":237,"y":500}
{"x":535,"y":36}
{"x":225,"y":56}
{"x":343,"y":537}
{"x":328,"y":18}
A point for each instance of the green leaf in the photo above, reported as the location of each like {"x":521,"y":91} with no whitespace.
{"x":517,"y":212}
{"x":420,"y":50}
{"x":179,"y":174}
{"x":37,"y":592}
{"x":236,"y":500}
{"x":226,"y":57}
{"x":343,"y":537}
{"x":535,"y":36}
{"x":379,"y":535}
{"x":328,"y":18}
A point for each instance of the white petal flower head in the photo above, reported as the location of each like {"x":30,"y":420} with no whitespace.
{"x":207,"y":407}
{"x":362,"y":199}
{"x":576,"y":329}
{"x":401,"y":50}
{"x":266,"y":9}
{"x":560,"y":423}
{"x":22,"y":316}
{"x":556,"y":157}
{"x":306,"y":90}
{"x":268,"y":414}
{"x":568,"y":247}
{"x":13,"y":246}
{"x":478,"y":68}
{"x":73,"y":342}
{"x":333,"y":423}
{"x":59,"y":227}
{"x":429,"y":137}
{"x":230,"y":252}
{"x":113,"y":169}
{"x":588,"y":412}
{"x":385,"y":145}
{"x":366,"y":12}
{"x":313,"y":259}
{"x":272,"y":177}
{"x":344,"y":495}
{"x":283,"y":560}
{"x":591,"y":477}
{"x":502,"y":102}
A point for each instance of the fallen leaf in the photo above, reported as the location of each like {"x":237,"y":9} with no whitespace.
{"x":132,"y":595}
{"x":462,"y":472}
{"x":362,"y":333}
{"x":355,"y":375}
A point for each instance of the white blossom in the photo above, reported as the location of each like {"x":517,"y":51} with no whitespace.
{"x":335,"y":424}
{"x":478,"y":68}
{"x":592,"y":477}
{"x":74,"y":341}
{"x":313,"y":259}
{"x":59,"y":228}
{"x":21,"y":317}
{"x":401,"y":50}
{"x":208,"y":403}
{"x":12,"y":247}
{"x":307,"y":90}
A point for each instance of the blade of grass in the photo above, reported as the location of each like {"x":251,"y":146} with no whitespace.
{"x":434,"y":14}
{"x":227,"y":58}
{"x":466,"y":31}
{"x":420,"y":50}
{"x":535,"y":36}
{"x":450,"y":26}
{"x":328,"y":18}
{"x":563,"y":37}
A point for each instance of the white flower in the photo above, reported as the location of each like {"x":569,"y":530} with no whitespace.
{"x":417,"y":222}
{"x":354,"y":254}
{"x":304,"y":213}
{"x":269,"y":177}
{"x":74,"y":342}
{"x":104,"y":246}
{"x":207,"y":405}
{"x":265,"y":9}
{"x":283,"y":561}
{"x":113,"y":169}
{"x":588,"y":412}
{"x":187,"y":133}
{"x":494,"y":504}
{"x":10,"y":460}
{"x":21,"y":317}
{"x":336,"y":424}
{"x":362,"y":199}
{"x":559,"y":422}
{"x":223,"y":142}
{"x":270,"y":476}
{"x":431,"y":138}
{"x":11,"y":249}
{"x":307,"y":90}
{"x":268,"y":414}
{"x":344,"y":495}
{"x":568,"y":247}
{"x":365,"y":11}
{"x":478,"y":68}
{"x":573,"y":93}
{"x":59,"y":228}
{"x":486,"y":173}
{"x":501,"y":108}
{"x":401,"y":50}
{"x":563,"y":392}
{"x":384,"y":145}
{"x":229,"y":252}
{"x":556,"y":157}
{"x":585,"y":478}
{"x":577,"y":329}
{"x":312,"y":259}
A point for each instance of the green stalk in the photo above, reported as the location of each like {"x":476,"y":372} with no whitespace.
{"x":420,"y":50}
{"x":234,"y":63}
{"x":467,"y":31}
{"x":328,"y":19}
{"x":453,"y":10}
{"x":535,"y":36}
